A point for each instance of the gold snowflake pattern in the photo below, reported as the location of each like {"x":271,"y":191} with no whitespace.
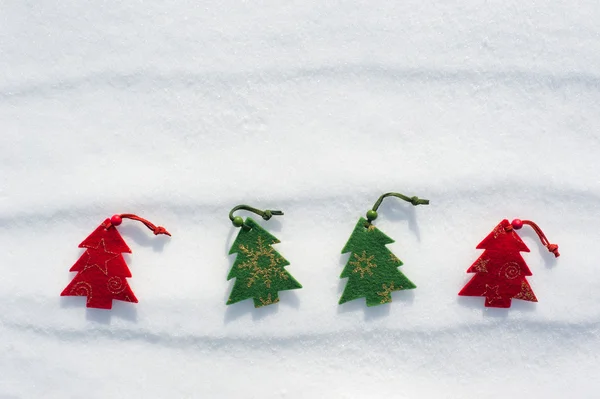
{"x":371,"y":227}
{"x":268,"y":301}
{"x":394,"y":258}
{"x":387,"y":290}
{"x":363,"y":264}
{"x":481,"y":265}
{"x":526,"y":294}
{"x":261,"y":272}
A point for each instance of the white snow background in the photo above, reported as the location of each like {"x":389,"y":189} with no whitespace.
{"x":177,"y":111}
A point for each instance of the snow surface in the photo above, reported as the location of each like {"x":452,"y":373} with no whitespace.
{"x":180,"y":110}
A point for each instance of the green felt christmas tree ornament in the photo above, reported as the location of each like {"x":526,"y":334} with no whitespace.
{"x":259,"y":270}
{"x":372,"y":269}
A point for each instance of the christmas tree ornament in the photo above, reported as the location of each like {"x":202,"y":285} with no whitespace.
{"x":501,"y":270}
{"x":259,"y":270}
{"x":102,"y":270}
{"x":372,"y":269}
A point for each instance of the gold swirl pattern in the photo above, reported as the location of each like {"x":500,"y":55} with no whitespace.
{"x":115,"y":285}
{"x":511,"y":270}
{"x":82,"y":289}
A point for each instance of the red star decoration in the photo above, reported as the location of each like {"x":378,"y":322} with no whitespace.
{"x":99,"y":257}
{"x":491,"y":293}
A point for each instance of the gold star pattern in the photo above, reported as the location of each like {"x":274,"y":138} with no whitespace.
{"x":360,"y":261}
{"x":99,"y":257}
{"x":266,"y":273}
{"x":491,"y":293}
{"x":387,"y":290}
{"x":371,"y":227}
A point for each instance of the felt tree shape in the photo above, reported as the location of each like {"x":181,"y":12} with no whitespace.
{"x":259,"y":270}
{"x":501,"y":271}
{"x":102,"y":271}
{"x":372,"y":269}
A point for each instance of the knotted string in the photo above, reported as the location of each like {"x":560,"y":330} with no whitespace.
{"x":155,"y":229}
{"x":551,"y":247}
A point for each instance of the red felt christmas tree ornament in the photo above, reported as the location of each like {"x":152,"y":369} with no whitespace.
{"x":501,"y":270}
{"x":102,"y":270}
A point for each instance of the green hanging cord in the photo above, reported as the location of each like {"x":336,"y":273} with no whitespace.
{"x":239,"y":222}
{"x":372,"y":214}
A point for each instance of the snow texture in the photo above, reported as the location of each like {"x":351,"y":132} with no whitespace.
{"x":178,"y":111}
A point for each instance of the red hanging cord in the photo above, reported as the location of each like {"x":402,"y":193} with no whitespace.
{"x":551,"y":247}
{"x":116,"y":220}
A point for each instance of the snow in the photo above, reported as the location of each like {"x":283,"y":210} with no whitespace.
{"x":178,"y":111}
